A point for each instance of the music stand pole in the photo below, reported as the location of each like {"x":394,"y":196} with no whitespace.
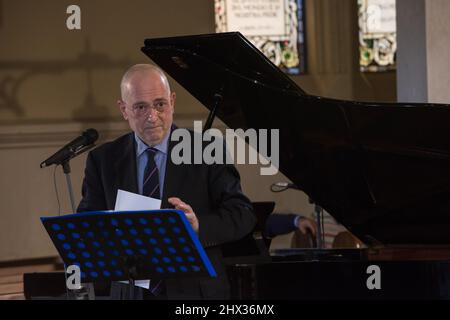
{"x":66,"y":170}
{"x":132,"y":272}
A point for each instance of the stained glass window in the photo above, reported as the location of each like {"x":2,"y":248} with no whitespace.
{"x":377,"y":35}
{"x":274,"y":26}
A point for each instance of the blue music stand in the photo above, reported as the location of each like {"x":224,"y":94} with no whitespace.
{"x":129,"y":245}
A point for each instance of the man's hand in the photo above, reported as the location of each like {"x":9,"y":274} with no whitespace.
{"x":190,"y":214}
{"x":306,"y":224}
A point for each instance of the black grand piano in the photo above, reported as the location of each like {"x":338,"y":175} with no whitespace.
{"x":380,"y":169}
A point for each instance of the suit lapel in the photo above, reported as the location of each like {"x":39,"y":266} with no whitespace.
{"x":125,"y":167}
{"x":174,"y":176}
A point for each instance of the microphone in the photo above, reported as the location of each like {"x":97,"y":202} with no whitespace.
{"x":73,"y":148}
{"x":282,"y":186}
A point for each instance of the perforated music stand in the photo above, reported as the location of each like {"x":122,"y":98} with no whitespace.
{"x":129,"y":245}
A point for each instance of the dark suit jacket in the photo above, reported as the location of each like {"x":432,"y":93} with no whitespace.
{"x":278,"y":224}
{"x":213,"y":191}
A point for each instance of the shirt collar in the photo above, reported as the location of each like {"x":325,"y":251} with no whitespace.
{"x":141,"y":146}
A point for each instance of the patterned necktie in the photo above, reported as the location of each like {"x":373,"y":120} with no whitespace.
{"x":151,"y":176}
{"x":151,"y":189}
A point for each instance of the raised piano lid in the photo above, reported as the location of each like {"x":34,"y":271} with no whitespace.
{"x":382,"y":170}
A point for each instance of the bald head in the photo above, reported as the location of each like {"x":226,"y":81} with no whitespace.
{"x":147,"y":102}
{"x":139,"y":72}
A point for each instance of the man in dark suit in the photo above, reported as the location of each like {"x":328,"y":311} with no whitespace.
{"x":210,"y":195}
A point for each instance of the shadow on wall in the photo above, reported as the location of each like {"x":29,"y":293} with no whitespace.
{"x":87,"y":61}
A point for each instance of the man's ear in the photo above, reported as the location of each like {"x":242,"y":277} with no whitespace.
{"x":122,"y":108}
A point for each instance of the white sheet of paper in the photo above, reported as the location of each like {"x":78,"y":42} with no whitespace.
{"x":129,"y":201}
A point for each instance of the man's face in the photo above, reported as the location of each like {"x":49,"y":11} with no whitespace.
{"x":147,"y":104}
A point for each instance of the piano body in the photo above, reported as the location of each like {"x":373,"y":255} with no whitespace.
{"x":380,"y":169}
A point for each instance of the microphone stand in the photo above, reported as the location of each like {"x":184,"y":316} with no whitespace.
{"x":66,"y":170}
{"x":320,"y":232}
